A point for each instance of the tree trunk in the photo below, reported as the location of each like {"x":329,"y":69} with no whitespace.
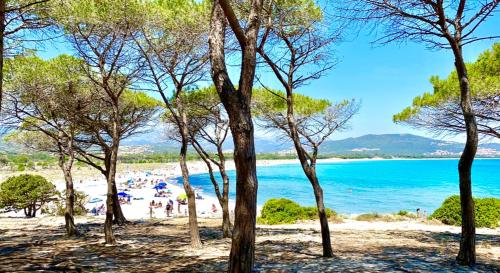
{"x":323,"y":219}
{"x":118,"y":217}
{"x":111,"y":172}
{"x":33,"y":211}
{"x":226,"y":219}
{"x":237,"y":105}
{"x":2,"y":46}
{"x":193,"y":219}
{"x":66,"y":165}
{"x":70,"y":204}
{"x":467,"y":252}
{"x":309,"y":168}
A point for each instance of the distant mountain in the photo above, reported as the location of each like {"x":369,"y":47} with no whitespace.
{"x":402,"y":145}
{"x":367,"y":145}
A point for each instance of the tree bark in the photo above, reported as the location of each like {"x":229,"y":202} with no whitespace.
{"x":3,"y":4}
{"x":193,"y":219}
{"x":237,"y":105}
{"x":111,"y":173}
{"x":70,"y":203}
{"x":467,"y":252}
{"x":226,"y":218}
{"x":323,"y":218}
{"x":118,"y":217}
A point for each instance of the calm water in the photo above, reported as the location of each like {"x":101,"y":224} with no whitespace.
{"x":372,"y":186}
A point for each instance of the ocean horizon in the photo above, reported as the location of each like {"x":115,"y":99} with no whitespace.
{"x":383,"y":186}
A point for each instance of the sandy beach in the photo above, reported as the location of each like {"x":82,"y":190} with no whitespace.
{"x":144,"y":178}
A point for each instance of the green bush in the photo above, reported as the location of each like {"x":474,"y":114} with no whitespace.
{"x":26,"y":192}
{"x":81,"y":200}
{"x":403,"y":213}
{"x":285,"y":211}
{"x":487,"y":212}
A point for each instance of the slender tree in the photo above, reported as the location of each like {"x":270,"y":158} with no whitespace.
{"x":237,"y":102}
{"x":440,"y":111}
{"x":42,"y":97}
{"x":208,"y":130}
{"x":296,"y":46}
{"x":176,"y":53}
{"x":439,"y":24}
{"x":101,"y":32}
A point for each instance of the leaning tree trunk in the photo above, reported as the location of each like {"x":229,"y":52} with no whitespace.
{"x":193,"y":219}
{"x":467,"y":252}
{"x":309,"y":169}
{"x":323,"y":219}
{"x":226,"y":218}
{"x":224,"y":197}
{"x":118,"y":217}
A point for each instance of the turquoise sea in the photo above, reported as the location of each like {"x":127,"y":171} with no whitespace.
{"x":371,"y":186}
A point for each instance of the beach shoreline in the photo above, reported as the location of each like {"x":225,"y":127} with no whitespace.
{"x":93,"y":183}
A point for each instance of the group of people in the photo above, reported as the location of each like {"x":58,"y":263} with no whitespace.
{"x":169,"y":207}
{"x":125,"y":200}
{"x":163,"y":194}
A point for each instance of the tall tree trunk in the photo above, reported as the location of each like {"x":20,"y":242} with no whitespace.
{"x":111,"y":172}
{"x":70,"y":203}
{"x":193,"y":219}
{"x":242,"y":254}
{"x":237,"y":105}
{"x":3,"y":4}
{"x":66,"y":164}
{"x":118,"y":216}
{"x":467,"y":252}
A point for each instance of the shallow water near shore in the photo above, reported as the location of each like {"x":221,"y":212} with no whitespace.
{"x":383,"y":186}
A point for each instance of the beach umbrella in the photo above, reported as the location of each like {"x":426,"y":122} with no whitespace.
{"x":162,"y":184}
{"x":95,"y":200}
{"x":122,"y":194}
{"x":182,"y":196}
{"x":130,"y":181}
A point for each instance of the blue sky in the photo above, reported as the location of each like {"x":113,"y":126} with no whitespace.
{"x":385,"y":78}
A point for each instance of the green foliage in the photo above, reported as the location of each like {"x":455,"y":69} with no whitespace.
{"x":285,"y":211}
{"x":275,"y":102}
{"x":484,"y":78}
{"x":487,"y":212}
{"x":26,"y":192}
{"x":403,"y":213}
{"x":81,"y":200}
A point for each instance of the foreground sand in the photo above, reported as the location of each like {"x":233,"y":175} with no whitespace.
{"x":163,"y":246}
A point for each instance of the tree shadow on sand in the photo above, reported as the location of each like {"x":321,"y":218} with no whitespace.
{"x":164,"y":247}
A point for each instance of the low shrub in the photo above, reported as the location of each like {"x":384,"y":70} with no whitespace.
{"x":403,"y":213}
{"x":26,"y":192}
{"x":285,"y":211}
{"x":81,"y":200}
{"x":487,"y":212}
{"x":368,"y":217}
